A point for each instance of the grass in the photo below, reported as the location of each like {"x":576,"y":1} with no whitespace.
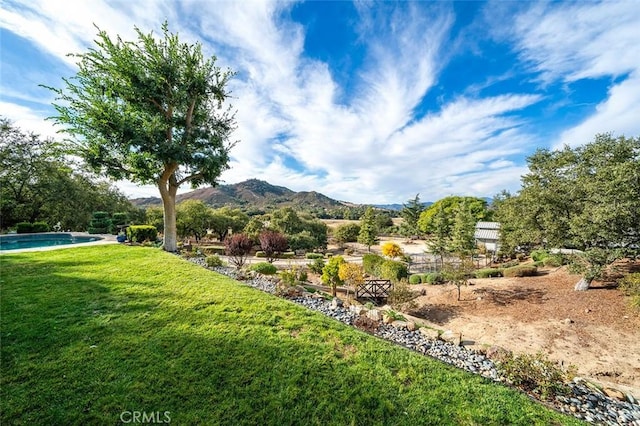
{"x":88,"y":333}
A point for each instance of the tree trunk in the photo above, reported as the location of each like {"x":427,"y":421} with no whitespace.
{"x":582,"y":285}
{"x":170,"y":242}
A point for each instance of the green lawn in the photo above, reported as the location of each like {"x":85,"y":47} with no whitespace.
{"x":88,"y":333}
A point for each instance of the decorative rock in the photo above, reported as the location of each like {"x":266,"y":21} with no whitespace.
{"x":399,"y":324}
{"x":568,"y":321}
{"x":336,"y":303}
{"x":451,"y":337}
{"x":374,"y":314}
{"x":582,"y":285}
{"x":387,"y":319}
{"x":411,"y":326}
{"x":614,"y":393}
{"x":429,"y":333}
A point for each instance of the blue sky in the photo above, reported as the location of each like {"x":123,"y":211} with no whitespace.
{"x":367,"y":102}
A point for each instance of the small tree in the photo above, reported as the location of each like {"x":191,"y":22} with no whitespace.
{"x":352,"y":274}
{"x":463,"y":242}
{"x":458,"y":273}
{"x":272,"y":244}
{"x":237,"y":247}
{"x":330,"y":273}
{"x":392,"y":250}
{"x":368,"y":235}
{"x":439,"y":242}
{"x":410,"y":214}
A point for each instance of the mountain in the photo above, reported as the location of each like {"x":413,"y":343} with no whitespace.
{"x":252,"y":193}
{"x":398,"y":207}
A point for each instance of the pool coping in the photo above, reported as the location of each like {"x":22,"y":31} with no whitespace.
{"x":105,"y":239}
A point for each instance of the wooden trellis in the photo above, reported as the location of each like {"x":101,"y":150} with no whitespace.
{"x":374,"y":289}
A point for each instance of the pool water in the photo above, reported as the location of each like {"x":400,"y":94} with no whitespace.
{"x":26,"y":241}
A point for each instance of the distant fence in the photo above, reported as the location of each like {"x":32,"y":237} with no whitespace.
{"x":428,"y":263}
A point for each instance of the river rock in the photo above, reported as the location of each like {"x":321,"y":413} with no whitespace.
{"x":374,"y":314}
{"x":429,"y":333}
{"x":582,"y":285}
{"x":411,"y":326}
{"x":614,"y":393}
{"x":451,"y":337}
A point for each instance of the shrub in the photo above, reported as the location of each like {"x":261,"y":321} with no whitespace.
{"x":630,"y":286}
{"x":432,"y":278}
{"x":101,"y":224}
{"x":415,"y":279}
{"x":554,"y":260}
{"x":265,"y":268}
{"x":214,"y":261}
{"x":536,"y":374}
{"x":539,"y":255}
{"x":509,"y":264}
{"x":488,"y":273}
{"x":402,"y":297}
{"x":209,"y":250}
{"x":314,"y":256}
{"x":520,"y":271}
{"x":393,"y":270}
{"x":330,"y":273}
{"x":371,"y":263}
{"x":317,"y":265}
{"x":260,"y":253}
{"x":140,"y":233}
{"x":293,"y":276}
{"x":41,"y":227}
{"x":302,"y":241}
{"x":24,"y":228}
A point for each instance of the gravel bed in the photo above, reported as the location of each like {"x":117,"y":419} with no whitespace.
{"x":583,"y":403}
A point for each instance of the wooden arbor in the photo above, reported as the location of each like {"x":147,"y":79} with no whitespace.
{"x":373,"y":289}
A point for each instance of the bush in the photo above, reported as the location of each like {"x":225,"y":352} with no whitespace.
{"x":265,"y":268}
{"x":141,"y":233}
{"x":24,"y":228}
{"x":539,"y":255}
{"x":317,"y":266}
{"x":536,"y":374}
{"x":40,"y":227}
{"x":432,"y":278}
{"x":402,"y":297}
{"x":101,"y":224}
{"x":488,"y":273}
{"x":238,"y":247}
{"x":371,"y":263}
{"x":415,"y":279}
{"x":630,"y":286}
{"x":209,"y":250}
{"x":347,"y":233}
{"x":214,"y":261}
{"x":554,"y":260}
{"x":293,"y":276}
{"x":260,"y":253}
{"x":314,"y":256}
{"x":520,"y":271}
{"x":393,"y":270}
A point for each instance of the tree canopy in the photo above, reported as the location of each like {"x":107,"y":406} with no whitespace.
{"x":151,"y":111}
{"x":39,"y":183}
{"x":450,"y":205}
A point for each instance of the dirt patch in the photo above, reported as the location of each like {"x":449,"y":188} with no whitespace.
{"x":594,"y":330}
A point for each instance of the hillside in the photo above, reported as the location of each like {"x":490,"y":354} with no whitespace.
{"x":253,"y":193}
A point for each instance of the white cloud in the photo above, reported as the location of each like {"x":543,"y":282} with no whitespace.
{"x":29,"y":119}
{"x":587,"y":40}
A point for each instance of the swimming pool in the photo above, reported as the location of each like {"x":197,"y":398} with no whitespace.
{"x":47,"y":239}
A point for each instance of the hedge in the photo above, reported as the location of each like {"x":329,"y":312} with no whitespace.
{"x":520,"y":271}
{"x":141,"y":233}
{"x":432,"y":278}
{"x":24,"y":228}
{"x":415,"y":279}
{"x":489,"y":273}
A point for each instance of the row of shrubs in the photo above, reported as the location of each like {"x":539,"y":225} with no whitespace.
{"x":514,"y":271}
{"x":30,"y":228}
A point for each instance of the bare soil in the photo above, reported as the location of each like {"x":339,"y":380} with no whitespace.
{"x":594,"y":330}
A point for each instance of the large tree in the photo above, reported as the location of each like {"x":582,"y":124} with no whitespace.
{"x":39,"y":183}
{"x":151,"y":111}
{"x":586,"y":198}
{"x":450,"y":205}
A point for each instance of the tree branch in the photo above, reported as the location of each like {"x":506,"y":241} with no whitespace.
{"x":188,"y":178}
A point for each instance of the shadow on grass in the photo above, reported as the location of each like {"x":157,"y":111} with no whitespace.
{"x":82,"y":351}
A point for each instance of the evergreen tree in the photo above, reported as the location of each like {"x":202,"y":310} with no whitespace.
{"x":368,"y":235}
